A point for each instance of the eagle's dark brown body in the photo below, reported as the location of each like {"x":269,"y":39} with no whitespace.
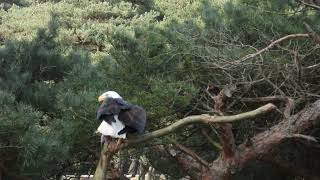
{"x":132,"y":116}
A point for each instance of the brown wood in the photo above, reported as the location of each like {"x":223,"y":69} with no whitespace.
{"x":234,"y":158}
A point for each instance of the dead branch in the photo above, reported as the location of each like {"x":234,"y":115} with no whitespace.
{"x":289,"y":103}
{"x":210,"y":140}
{"x":204,"y":118}
{"x":225,"y":135}
{"x":227,"y":139}
{"x":291,"y":36}
{"x":313,"y":34}
{"x":190,"y":153}
{"x":106,"y":155}
{"x":265,"y":99}
{"x":310,"y":5}
{"x":187,"y":163}
{"x":305,"y":138}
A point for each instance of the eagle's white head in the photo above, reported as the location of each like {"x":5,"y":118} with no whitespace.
{"x":108,"y":94}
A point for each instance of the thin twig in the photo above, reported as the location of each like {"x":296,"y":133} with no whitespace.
{"x":18,"y":147}
{"x":189,"y":152}
{"x":313,"y":66}
{"x":210,"y":140}
{"x":291,"y":36}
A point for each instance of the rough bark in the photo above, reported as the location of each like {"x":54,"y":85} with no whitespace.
{"x":109,"y":149}
{"x":262,"y":144}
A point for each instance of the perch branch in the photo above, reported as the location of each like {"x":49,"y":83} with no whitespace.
{"x":205,"y":118}
{"x":106,"y":155}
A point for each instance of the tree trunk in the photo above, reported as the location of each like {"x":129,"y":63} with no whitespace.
{"x":262,"y":144}
{"x":104,"y":162}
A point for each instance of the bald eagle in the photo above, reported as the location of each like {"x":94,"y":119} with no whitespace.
{"x":118,"y":117}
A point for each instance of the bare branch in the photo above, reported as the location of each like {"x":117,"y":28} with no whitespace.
{"x":313,"y":34}
{"x":225,"y":135}
{"x":313,"y":66}
{"x":18,"y":147}
{"x":210,"y":140}
{"x":106,"y":155}
{"x":186,"y":162}
{"x":310,"y":5}
{"x":190,"y":153}
{"x":264,"y":99}
{"x":227,"y":140}
{"x":289,"y":103}
{"x":291,"y":36}
{"x":205,"y":118}
{"x":305,"y":137}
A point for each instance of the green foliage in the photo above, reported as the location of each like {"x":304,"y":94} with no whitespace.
{"x":17,"y":120}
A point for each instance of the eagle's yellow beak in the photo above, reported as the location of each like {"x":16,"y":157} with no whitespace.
{"x":102,"y":98}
